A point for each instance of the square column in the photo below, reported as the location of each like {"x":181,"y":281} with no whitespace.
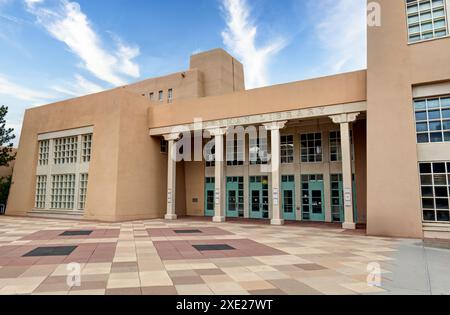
{"x":277,"y":218}
{"x":219,"y":200}
{"x":171,"y":176}
{"x":347,"y":175}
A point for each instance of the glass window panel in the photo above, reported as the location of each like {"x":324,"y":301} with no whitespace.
{"x":421,"y":127}
{"x":440,"y":192}
{"x":425,"y":168}
{"x":435,"y":126}
{"x":426,"y":180}
{"x":420,"y":105}
{"x":446,"y":113}
{"x":436,"y":137}
{"x":423,"y":138}
{"x":440,"y":179}
{"x":428,"y":203}
{"x":434,"y":114}
{"x":439,"y":24}
{"x":447,"y":136}
{"x":445,"y":102}
{"x":439,"y":168}
{"x":422,"y":116}
{"x":443,"y":216}
{"x":441,"y":33}
{"x":442,"y":204}
{"x":446,"y":125}
{"x":427,"y":191}
{"x":429,"y":216}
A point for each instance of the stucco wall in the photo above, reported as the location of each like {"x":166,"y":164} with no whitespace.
{"x":393,"y":67}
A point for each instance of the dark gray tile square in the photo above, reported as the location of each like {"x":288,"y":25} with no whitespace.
{"x":187,"y":231}
{"x":51,"y":251}
{"x":211,"y":247}
{"x":76,"y":233}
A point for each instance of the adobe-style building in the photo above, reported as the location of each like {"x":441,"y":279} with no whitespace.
{"x":370,"y":147}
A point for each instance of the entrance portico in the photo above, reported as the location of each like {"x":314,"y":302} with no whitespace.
{"x":279,"y":176}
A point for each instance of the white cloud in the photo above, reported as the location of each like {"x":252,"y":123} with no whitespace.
{"x":240,"y":38}
{"x":81,"y":86}
{"x":341,"y":30}
{"x":68,"y":24}
{"x":14,"y":90}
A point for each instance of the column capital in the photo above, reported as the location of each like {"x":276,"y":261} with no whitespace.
{"x":217,"y":131}
{"x":172,"y":136}
{"x":275,"y":125}
{"x":344,"y":118}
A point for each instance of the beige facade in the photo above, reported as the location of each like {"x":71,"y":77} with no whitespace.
{"x":343,"y":148}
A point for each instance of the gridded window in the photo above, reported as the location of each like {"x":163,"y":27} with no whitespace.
{"x":287,"y":149}
{"x":426,"y":19}
{"x":335,"y":146}
{"x":210,"y":180}
{"x":211,"y":154}
{"x":65,"y":150}
{"x":63,"y":191}
{"x":258,"y":151}
{"x":432,"y":119}
{"x":288,"y":178}
{"x":435,"y":185}
{"x":170,"y":95}
{"x":337,"y":205}
{"x":161,"y":96}
{"x":311,"y":147}
{"x":235,"y":195}
{"x":44,"y":149}
{"x":83,"y":191}
{"x":235,"y":152}
{"x":41,"y":188}
{"x":86,"y":145}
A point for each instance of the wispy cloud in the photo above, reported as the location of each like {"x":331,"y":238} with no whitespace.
{"x":341,"y":30}
{"x":67,"y":23}
{"x":240,"y":38}
{"x":80,"y":86}
{"x":17,"y":91}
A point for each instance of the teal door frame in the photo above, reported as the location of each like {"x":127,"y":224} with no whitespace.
{"x":313,"y":206}
{"x":341,"y":200}
{"x":288,"y":197}
{"x":234,"y":197}
{"x":209,"y":197}
{"x":259,"y":197}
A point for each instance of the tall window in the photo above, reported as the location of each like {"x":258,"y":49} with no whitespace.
{"x":63,"y":191}
{"x":432,"y":119}
{"x":287,"y":149}
{"x":41,"y":188}
{"x":311,"y":147}
{"x":258,"y":151}
{"x":435,"y":185}
{"x":83,"y":191}
{"x":170,"y":95}
{"x":235,"y":152}
{"x":336,"y":148}
{"x":151,"y":96}
{"x":161,"y":96}
{"x":65,"y":150}
{"x":44,"y":148}
{"x":86,"y":148}
{"x":426,"y":19}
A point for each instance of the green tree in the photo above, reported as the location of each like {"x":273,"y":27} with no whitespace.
{"x":6,"y":138}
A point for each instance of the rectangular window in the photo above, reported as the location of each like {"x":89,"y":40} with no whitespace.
{"x":287,"y":149}
{"x":161,"y":96}
{"x":164,"y":146}
{"x":435,"y":187}
{"x":86,"y":148}
{"x":63,"y":191}
{"x":427,"y":19}
{"x":235,"y":152}
{"x":151,"y":96}
{"x":170,"y":95}
{"x":311,"y":147}
{"x":44,"y":149}
{"x":258,"y":151}
{"x":336,"y":148}
{"x":41,"y":191}
{"x":65,"y":150}
{"x":83,"y":191}
{"x":432,"y":119}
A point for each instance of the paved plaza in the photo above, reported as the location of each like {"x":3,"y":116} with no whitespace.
{"x":197,"y":257}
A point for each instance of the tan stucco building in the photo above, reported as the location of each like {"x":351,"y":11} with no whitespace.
{"x":369,"y":147}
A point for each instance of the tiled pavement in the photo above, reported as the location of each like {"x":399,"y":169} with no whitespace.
{"x":159,"y":257}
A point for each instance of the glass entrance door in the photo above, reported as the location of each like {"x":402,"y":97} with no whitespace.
{"x":209,"y":196}
{"x":337,"y":199}
{"x":288,"y":197}
{"x":235,"y":197}
{"x":313,"y":208}
{"x":259,"y":197}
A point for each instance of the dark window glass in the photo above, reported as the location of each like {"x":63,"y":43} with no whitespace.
{"x":427,"y":191}
{"x":441,"y":191}
{"x":422,"y":116}
{"x":427,"y":203}
{"x":434,"y":114}
{"x":440,"y":180}
{"x":447,"y":136}
{"x":423,"y":138}
{"x":442,"y":204}
{"x":443,"y":216}
{"x":436,"y":137}
{"x":439,"y":168}
{"x":429,"y":216}
{"x":426,"y":180}
{"x":435,"y":126}
{"x":425,"y":168}
{"x":421,"y":127}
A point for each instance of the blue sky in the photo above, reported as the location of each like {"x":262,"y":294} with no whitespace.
{"x":57,"y":49}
